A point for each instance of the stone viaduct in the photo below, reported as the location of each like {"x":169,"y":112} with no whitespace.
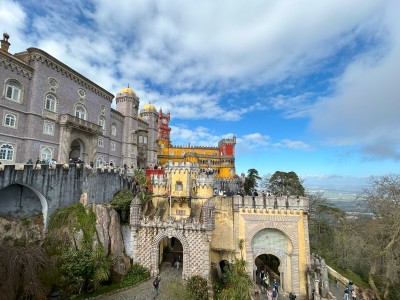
{"x":26,"y":190}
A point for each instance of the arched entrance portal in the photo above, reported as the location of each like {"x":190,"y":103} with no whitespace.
{"x":180,"y":246}
{"x":77,"y":150}
{"x":273,"y":249}
{"x":269,"y":265}
{"x":171,"y":253}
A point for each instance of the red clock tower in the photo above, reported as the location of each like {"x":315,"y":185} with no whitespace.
{"x":163,"y":129}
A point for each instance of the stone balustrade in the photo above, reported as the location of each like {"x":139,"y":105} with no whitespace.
{"x":271,"y":202}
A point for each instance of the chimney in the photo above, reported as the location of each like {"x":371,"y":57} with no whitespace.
{"x":4,"y":42}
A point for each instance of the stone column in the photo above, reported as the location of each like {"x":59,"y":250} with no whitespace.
{"x":64,"y":141}
{"x":317,"y":296}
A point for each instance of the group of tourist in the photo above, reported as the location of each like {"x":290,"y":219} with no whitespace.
{"x":272,"y":288}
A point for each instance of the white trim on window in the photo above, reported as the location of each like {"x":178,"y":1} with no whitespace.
{"x":100,"y":142}
{"x":50,"y":102}
{"x":48,"y":128}
{"x":7,"y":151}
{"x":10,"y":119}
{"x":13,"y":90}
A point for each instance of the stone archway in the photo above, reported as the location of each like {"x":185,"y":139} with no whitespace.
{"x":283,"y":245}
{"x":155,"y":257}
{"x":13,"y":191}
{"x":76,"y":149}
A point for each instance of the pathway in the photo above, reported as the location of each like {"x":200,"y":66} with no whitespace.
{"x":145,"y":290}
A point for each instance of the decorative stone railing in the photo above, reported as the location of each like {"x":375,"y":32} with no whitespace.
{"x":271,"y":202}
{"x":75,"y":122}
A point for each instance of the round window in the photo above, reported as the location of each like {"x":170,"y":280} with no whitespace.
{"x":53,"y":82}
{"x":82,"y":93}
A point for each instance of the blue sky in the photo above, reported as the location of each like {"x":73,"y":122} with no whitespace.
{"x":306,"y":86}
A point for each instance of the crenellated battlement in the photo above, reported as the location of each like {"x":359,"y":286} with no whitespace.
{"x":270,"y":203}
{"x":205,"y":180}
{"x":194,"y":147}
{"x":181,"y":166}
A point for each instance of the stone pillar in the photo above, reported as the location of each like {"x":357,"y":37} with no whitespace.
{"x":317,"y":296}
{"x":64,"y":141}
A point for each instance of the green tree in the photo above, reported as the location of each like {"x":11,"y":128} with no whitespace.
{"x":122,"y":203}
{"x":286,"y":183}
{"x":381,"y":236}
{"x":238,"y":283}
{"x":250,"y":181}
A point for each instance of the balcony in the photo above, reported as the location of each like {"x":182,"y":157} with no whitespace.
{"x":80,"y":124}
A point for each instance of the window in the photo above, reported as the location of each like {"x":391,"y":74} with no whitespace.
{"x":112,"y":146}
{"x":180,"y":212}
{"x":99,"y":161}
{"x":13,"y":90}
{"x":50,"y":102}
{"x":81,"y":93}
{"x":46,"y":154}
{"x":6,"y":152}
{"x":10,"y":120}
{"x":113,"y":130}
{"x":140,"y":139}
{"x":48,"y":128}
{"x":80,"y":112}
{"x":100,"y":142}
{"x":145,"y":139}
{"x":102,"y":122}
{"x":53,"y":83}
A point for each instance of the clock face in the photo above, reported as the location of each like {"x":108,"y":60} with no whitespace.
{"x":164,"y":121}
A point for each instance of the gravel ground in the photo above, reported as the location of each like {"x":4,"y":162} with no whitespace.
{"x":145,"y":290}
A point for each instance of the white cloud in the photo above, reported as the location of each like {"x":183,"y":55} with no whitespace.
{"x":365,"y":108}
{"x":297,"y":145}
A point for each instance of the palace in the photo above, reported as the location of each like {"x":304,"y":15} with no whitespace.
{"x":50,"y":111}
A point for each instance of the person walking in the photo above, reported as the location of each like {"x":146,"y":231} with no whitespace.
{"x":178,"y":258}
{"x":292,"y":296}
{"x":156,"y":284}
{"x":354,"y":295}
{"x":346,"y":294}
{"x":269,"y":294}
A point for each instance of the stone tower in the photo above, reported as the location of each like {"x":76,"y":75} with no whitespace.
{"x":128,"y":105}
{"x":150,"y":115}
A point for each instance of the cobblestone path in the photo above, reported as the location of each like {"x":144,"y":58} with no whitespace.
{"x":145,"y":290}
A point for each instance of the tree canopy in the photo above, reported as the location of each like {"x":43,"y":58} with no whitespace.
{"x":250,"y":181}
{"x":286,"y":183}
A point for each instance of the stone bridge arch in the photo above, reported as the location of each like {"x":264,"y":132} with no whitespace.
{"x":289,"y":259}
{"x":155,"y":257}
{"x":39,"y":195}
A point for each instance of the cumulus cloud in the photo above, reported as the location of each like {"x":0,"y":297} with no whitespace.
{"x":195,"y":50}
{"x":364,"y":109}
{"x":298,"y":145}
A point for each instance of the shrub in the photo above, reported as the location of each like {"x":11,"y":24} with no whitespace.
{"x":198,"y":288}
{"x":136,"y":274}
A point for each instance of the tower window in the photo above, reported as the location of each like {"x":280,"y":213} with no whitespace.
{"x":6,"y":152}
{"x":10,"y":120}
{"x":13,"y":90}
{"x":48,"y":128}
{"x":46,"y":154}
{"x":50,"y":102}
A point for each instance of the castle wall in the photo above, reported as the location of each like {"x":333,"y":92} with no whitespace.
{"x":245,"y":218}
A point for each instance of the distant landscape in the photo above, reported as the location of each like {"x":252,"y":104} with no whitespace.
{"x":343,"y":193}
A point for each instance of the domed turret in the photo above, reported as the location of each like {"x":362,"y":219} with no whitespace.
{"x":127,"y":90}
{"x":149,"y":107}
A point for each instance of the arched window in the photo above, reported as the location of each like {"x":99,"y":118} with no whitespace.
{"x":80,"y":112}
{"x":113,"y":130}
{"x":100,"y":142}
{"x":112,"y":146}
{"x":13,"y":90}
{"x":10,"y":120}
{"x":6,"y":152}
{"x":48,"y":128}
{"x":99,"y":161}
{"x":46,"y":154}
{"x":50,"y":102}
{"x":102,"y":122}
